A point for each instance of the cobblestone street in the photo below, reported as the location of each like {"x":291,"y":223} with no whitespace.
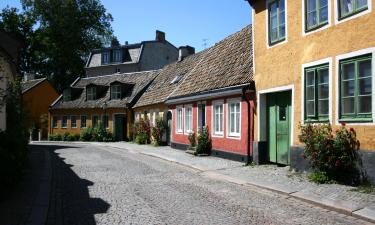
{"x":103,"y":185}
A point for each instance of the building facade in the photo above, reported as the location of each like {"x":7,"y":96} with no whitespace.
{"x":313,"y":63}
{"x":144,"y":56}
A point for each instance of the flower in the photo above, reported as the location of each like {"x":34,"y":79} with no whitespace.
{"x":343,"y":124}
{"x":351,"y":129}
{"x":337,"y":163}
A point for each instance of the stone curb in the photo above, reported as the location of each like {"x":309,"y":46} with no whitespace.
{"x":40,"y":206}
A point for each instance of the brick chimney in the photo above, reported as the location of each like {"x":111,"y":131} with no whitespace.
{"x":160,"y":36}
{"x":185,"y":51}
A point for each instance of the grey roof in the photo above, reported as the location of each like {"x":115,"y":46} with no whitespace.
{"x":227,"y":64}
{"x":137,"y":82}
{"x":27,"y":85}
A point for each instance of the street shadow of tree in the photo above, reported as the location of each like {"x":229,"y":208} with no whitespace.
{"x":70,"y":201}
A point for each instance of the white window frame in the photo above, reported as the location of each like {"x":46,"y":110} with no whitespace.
{"x":71,"y":124}
{"x":229,"y":133}
{"x":91,"y":91}
{"x":215,"y":103}
{"x":115,"y":91}
{"x":186,"y":107}
{"x":107,"y":61}
{"x":336,"y":8}
{"x":330,"y":103}
{"x":179,"y":130}
{"x":304,"y":32}
{"x":337,"y":81}
{"x":267,"y":24}
{"x":66,"y":124}
{"x":115,"y":55}
{"x":80,"y":122}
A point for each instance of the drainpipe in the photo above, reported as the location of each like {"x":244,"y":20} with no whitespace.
{"x":250,"y":123}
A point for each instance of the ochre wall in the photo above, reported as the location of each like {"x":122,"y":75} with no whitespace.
{"x":37,"y":100}
{"x":161,"y":108}
{"x":88,"y":113}
{"x":224,"y":143}
{"x":281,"y":65}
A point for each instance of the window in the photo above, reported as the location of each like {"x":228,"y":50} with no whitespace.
{"x":218,"y":118}
{"x":67,"y":95}
{"x":64,"y":122}
{"x":188,"y":119}
{"x":105,"y":122}
{"x":152,"y":119}
{"x":356,"y":89}
{"x":351,"y":7}
{"x":73,"y":122}
{"x":234,"y":118}
{"x":136,"y":116}
{"x":54,"y":121}
{"x":276,"y":18}
{"x":116,"y":91}
{"x":105,"y":57}
{"x":83,"y":121}
{"x":317,"y":93}
{"x":179,"y":120}
{"x":94,"y":121}
{"x":91,"y":93}
{"x":117,"y":57}
{"x":316,"y":13}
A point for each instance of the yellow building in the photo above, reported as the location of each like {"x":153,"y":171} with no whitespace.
{"x":314,"y":63}
{"x":105,"y":100}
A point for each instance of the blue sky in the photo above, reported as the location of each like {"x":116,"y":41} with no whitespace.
{"x":185,"y":22}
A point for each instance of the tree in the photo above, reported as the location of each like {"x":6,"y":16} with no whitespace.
{"x":60,"y":35}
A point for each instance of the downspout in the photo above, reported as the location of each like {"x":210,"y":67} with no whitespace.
{"x":249,"y":123}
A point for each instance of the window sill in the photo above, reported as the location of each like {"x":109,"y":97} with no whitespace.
{"x":274,"y":43}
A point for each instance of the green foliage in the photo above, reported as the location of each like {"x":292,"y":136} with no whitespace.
{"x":320,"y":178}
{"x":86,"y":134}
{"x":142,"y":131}
{"x":204,"y":143}
{"x":13,"y":141}
{"x":58,"y":34}
{"x":97,"y":133}
{"x":192,"y":140}
{"x":336,"y":156}
{"x":55,"y":137}
{"x":158,"y":131}
{"x":367,"y":188}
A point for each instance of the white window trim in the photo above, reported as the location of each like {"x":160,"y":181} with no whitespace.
{"x":228,"y":133}
{"x":205,"y":112}
{"x":262,"y":137}
{"x":304,"y":32}
{"x":350,"y":55}
{"x":330,"y":103}
{"x":286,"y":25}
{"x":337,"y":21}
{"x":213,"y":134}
{"x":80,"y":122}
{"x":187,"y":132}
{"x":71,"y":126}
{"x":66,"y":122}
{"x":179,"y":131}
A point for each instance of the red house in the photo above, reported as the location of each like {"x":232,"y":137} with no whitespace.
{"x":218,"y":92}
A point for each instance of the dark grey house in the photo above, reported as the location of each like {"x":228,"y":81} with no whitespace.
{"x":144,"y":56}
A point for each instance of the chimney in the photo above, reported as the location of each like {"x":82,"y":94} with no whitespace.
{"x":28,"y":76}
{"x":160,"y":36}
{"x":126,"y":43}
{"x":185,"y":51}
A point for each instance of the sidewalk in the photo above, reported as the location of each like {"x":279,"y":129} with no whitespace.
{"x":280,"y":179}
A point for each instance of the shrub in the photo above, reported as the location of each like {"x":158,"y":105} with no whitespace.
{"x":204,"y":143}
{"x":65,"y":136}
{"x":72,"y":137}
{"x":158,"y":131}
{"x":86,"y":134}
{"x":335,"y":156}
{"x":141,"y":139}
{"x":192,"y":140}
{"x":142,"y":131}
{"x":320,"y":178}
{"x":98,"y":133}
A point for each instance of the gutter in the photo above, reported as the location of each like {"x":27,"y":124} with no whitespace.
{"x":250,"y":123}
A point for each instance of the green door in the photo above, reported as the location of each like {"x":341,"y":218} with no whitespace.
{"x":120,"y":127}
{"x":278,"y":110}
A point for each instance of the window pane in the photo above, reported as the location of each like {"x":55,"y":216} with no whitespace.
{"x":323,"y":107}
{"x":310,"y":108}
{"x":361,"y":3}
{"x":323,"y":91}
{"x":348,"y":88}
{"x":365,"y":86}
{"x":274,"y":23}
{"x":311,"y":5}
{"x":323,"y":14}
{"x":310,"y":78}
{"x":323,"y":76}
{"x":348,"y":105}
{"x":282,"y":5}
{"x":364,"y":104}
{"x":232,"y":122}
{"x":311,"y":19}
{"x":273,"y":8}
{"x":282,"y":31}
{"x":310,"y":93}
{"x":238,"y":123}
{"x":348,"y":71}
{"x":346,"y":6}
{"x":364,"y":68}
{"x":282,"y":19}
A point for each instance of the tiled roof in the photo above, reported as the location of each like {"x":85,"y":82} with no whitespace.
{"x":137,"y":82}
{"x":163,"y":84}
{"x":27,"y":85}
{"x":228,"y":63}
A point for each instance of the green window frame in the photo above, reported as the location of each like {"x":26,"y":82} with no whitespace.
{"x":83,"y":121}
{"x":316,"y":14}
{"x":276,"y":21}
{"x":351,"y":7}
{"x":356,"y":89}
{"x":73,"y":121}
{"x":316,"y":93}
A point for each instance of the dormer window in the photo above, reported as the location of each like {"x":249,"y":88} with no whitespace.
{"x":67,"y":95}
{"x":117,"y":56}
{"x":116,"y":91}
{"x":105,"y":57}
{"x":91,"y":93}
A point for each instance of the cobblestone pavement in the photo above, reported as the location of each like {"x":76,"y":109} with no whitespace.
{"x":103,"y":185}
